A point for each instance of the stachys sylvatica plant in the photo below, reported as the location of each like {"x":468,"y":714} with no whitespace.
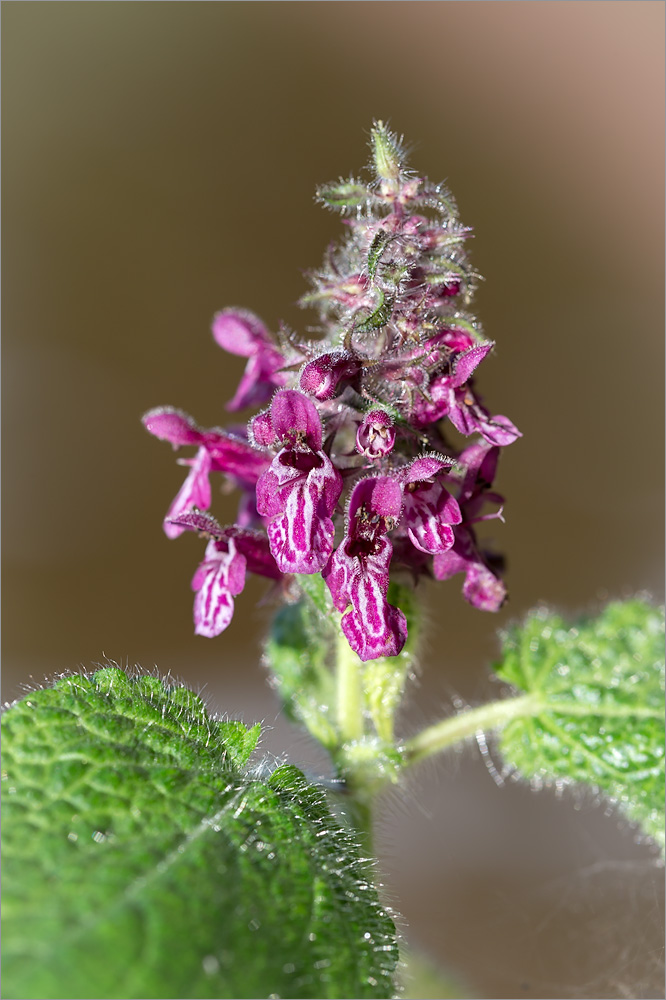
{"x":145,"y":855}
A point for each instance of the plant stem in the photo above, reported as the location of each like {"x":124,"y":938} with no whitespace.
{"x":349,"y":692}
{"x":359,"y":816}
{"x":450,"y":731}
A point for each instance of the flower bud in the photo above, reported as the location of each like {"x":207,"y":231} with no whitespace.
{"x":376,"y":434}
{"x":322,"y":376}
{"x":386,"y":152}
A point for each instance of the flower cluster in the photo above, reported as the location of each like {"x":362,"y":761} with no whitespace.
{"x":350,"y":470}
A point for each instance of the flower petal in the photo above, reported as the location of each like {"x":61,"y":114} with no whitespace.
{"x":498,"y":430}
{"x":295,"y":419}
{"x":429,"y":512}
{"x":170,"y":424}
{"x":481,"y":588}
{"x":235,"y":457}
{"x":426,"y":467}
{"x":218,"y":580}
{"x":373,"y":627}
{"x":375,"y":436}
{"x":322,"y":376}
{"x":239,"y":331}
{"x":195,"y":492}
{"x":301,"y":538}
{"x":466,"y":363}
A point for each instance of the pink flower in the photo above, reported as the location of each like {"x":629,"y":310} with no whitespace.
{"x":241,"y":332}
{"x":300,"y":489}
{"x":218,"y":451}
{"x":482,"y":587}
{"x":376,"y":434}
{"x":430,"y":510}
{"x":322,"y":377}
{"x":451,"y":396}
{"x":358,"y":571}
{"x":221,"y":575}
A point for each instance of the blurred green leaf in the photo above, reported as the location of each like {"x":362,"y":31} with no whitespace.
{"x":424,"y":980}
{"x":345,"y":195}
{"x":141,"y":860}
{"x":599,"y":716}
{"x":297,"y":651}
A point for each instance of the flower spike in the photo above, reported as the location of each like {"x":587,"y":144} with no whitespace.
{"x":365,"y":418}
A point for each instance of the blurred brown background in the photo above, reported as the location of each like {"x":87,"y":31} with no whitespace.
{"x":159,"y":164}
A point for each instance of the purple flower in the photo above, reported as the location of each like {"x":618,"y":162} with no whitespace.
{"x":322,"y":376}
{"x":218,"y":579}
{"x":393,"y":356}
{"x":429,"y":510}
{"x":300,"y":489}
{"x":218,"y":451}
{"x":451,"y":396}
{"x":376,"y":434}
{"x":221,"y":575}
{"x":482,"y":587}
{"x":241,"y":332}
{"x":358,"y":571}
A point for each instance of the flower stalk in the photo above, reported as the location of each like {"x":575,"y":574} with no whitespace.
{"x":349,"y":692}
{"x":458,"y":728}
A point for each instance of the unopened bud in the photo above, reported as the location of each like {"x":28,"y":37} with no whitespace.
{"x":376,"y":434}
{"x":387,"y":153}
{"x":321,"y":377}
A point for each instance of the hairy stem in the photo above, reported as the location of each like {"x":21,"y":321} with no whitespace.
{"x":447,"y":733}
{"x":349,"y":693}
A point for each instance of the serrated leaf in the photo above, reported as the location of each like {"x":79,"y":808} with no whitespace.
{"x":140,"y":859}
{"x":599,"y":715}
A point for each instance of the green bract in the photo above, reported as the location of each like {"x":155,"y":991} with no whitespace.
{"x":598,"y":712}
{"x":141,"y":859}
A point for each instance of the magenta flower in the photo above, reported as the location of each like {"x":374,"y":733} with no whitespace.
{"x":482,"y":587}
{"x":241,"y":332}
{"x":375,"y":436}
{"x":300,"y":489}
{"x":221,"y":575}
{"x":450,"y":395}
{"x":322,"y":377}
{"x":358,"y":571}
{"x":219,"y":578}
{"x":429,"y":510}
{"x":218,"y":451}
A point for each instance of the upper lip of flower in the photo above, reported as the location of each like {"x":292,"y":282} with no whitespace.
{"x":239,"y":331}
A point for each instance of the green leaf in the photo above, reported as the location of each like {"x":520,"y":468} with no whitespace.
{"x":598,"y":716}
{"x":344,"y":195}
{"x":141,"y":859}
{"x":297,"y":652}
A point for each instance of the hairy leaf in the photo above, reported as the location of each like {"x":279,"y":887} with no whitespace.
{"x":142,"y":860}
{"x":598,"y":716}
{"x":345,"y":195}
{"x":296,"y":652}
